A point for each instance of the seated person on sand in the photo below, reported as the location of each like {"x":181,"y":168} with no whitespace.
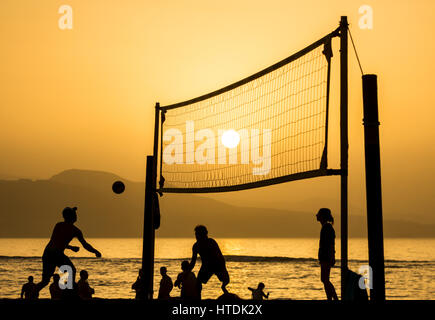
{"x":188,"y":282}
{"x":165,"y":285}
{"x":62,"y":235}
{"x":139,"y":286}
{"x":29,"y":290}
{"x":258,"y":294}
{"x":213,"y":261}
{"x":84,"y":291}
{"x":55,"y":290}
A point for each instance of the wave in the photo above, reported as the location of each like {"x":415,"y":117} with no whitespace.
{"x":228,"y":258}
{"x":236,"y":258}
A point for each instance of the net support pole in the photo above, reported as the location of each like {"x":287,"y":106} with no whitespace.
{"x":156,"y":141}
{"x":344,"y":146}
{"x":149,"y":229}
{"x":148,"y":232}
{"x":373,"y":187}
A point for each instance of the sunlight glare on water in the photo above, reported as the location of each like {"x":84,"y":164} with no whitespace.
{"x":288,"y":267}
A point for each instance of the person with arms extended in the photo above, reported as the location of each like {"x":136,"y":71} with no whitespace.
{"x":213,"y":261}
{"x":327,"y":251}
{"x":258,"y":294}
{"x":62,"y":235}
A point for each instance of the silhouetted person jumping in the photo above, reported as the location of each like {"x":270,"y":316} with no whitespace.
{"x":213,"y":261}
{"x":327,"y":251}
{"x":62,"y":235}
{"x":29,"y":290}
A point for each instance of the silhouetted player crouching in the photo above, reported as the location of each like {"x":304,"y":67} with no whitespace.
{"x":213,"y":261}
{"x":53,"y":256}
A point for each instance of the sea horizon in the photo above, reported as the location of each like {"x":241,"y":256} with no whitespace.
{"x":288,"y":266}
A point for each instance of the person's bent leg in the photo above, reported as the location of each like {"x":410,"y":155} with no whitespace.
{"x":44,"y":282}
{"x":324,"y":277}
{"x":198,"y":289}
{"x":223,"y":287}
{"x":224,"y":277}
{"x":332,"y":291}
{"x":203,"y":276}
{"x":48,"y":268}
{"x":64,"y":260}
{"x":74,"y":272}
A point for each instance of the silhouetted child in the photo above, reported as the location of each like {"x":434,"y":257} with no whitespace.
{"x":188,"y":282}
{"x":165,"y":285}
{"x":84,"y":291}
{"x":29,"y":290}
{"x":139,"y":286}
{"x":258,"y":294}
{"x":55,"y":290}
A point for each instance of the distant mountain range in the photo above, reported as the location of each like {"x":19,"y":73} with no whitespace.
{"x":31,"y":208}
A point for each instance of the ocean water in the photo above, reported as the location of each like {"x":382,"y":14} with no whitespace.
{"x":288,"y":267}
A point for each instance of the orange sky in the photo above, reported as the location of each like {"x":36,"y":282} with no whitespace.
{"x":84,"y":98}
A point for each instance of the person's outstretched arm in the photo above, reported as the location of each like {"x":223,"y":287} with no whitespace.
{"x":73,"y":248}
{"x":251,"y":289}
{"x":171,"y":285}
{"x":178,"y":281}
{"x":87,"y":246}
{"x":266,"y":295}
{"x":194,"y":254}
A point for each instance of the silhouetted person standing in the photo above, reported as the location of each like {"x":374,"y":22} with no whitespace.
{"x":29,"y":290}
{"x":55,"y":290}
{"x":62,"y":235}
{"x":139,"y":286}
{"x":327,"y":251}
{"x":166,"y":285}
{"x":213,"y":261}
{"x":83,"y":288}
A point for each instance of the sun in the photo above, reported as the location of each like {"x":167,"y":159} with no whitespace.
{"x":230,"y":139}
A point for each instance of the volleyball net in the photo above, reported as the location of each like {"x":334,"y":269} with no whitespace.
{"x":268,"y":128}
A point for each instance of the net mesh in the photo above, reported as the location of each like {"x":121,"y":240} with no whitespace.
{"x":278,"y":122}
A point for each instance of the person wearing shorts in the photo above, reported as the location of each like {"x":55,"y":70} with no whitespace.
{"x":54,"y":255}
{"x":213,"y":262}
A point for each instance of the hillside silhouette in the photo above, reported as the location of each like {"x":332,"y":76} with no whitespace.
{"x":30,"y":208}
